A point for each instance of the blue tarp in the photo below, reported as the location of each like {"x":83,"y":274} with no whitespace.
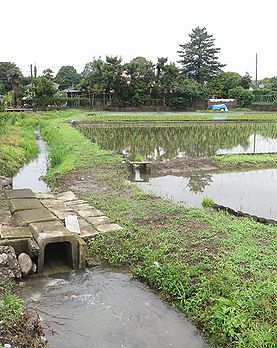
{"x":220,"y":107}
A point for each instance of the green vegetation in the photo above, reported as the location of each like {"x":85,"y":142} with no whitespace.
{"x":148,"y":117}
{"x":11,"y":307}
{"x":17,"y":141}
{"x":217,"y":268}
{"x":68,"y":148}
{"x":247,"y":161}
{"x":207,"y":202}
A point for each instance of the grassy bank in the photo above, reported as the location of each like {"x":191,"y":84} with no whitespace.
{"x":218,"y":269}
{"x":193,"y":116}
{"x":247,"y":161}
{"x":68,"y":148}
{"x":17,"y":141}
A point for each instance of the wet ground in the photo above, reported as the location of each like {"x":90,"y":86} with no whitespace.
{"x":101,"y":308}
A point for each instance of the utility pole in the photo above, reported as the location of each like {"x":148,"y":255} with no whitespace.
{"x":256,"y":78}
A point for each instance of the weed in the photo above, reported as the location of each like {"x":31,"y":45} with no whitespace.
{"x":207,"y":202}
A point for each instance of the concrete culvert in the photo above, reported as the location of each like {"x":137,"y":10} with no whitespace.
{"x":58,"y":258}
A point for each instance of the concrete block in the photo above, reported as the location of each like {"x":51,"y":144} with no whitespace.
{"x":21,"y":245}
{"x":108,"y":228}
{"x":25,"y":217}
{"x":83,"y":248}
{"x":15,"y":232}
{"x":86,"y":230}
{"x":24,"y":204}
{"x":90,"y":212}
{"x":48,"y":229}
{"x":66,"y":196}
{"x":49,"y":203}
{"x":44,"y":195}
{"x":54,"y":232}
{"x":63,"y":213}
{"x":5,"y":218}
{"x":72,"y":224}
{"x":20,"y":193}
{"x":98,"y":220}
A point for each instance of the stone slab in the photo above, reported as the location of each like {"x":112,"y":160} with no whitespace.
{"x":15,"y":232}
{"x":86,"y":230}
{"x":72,"y":224}
{"x":77,"y":202}
{"x":98,"y":220}
{"x":77,"y":207}
{"x":66,"y":196}
{"x":20,"y":193}
{"x":40,"y":195}
{"x":49,"y":203}
{"x":62,"y":213}
{"x":90,"y":212}
{"x":105,"y":228}
{"x":82,"y":252}
{"x":24,"y":204}
{"x":25,"y":217}
{"x":5,"y":218}
{"x":42,"y":230}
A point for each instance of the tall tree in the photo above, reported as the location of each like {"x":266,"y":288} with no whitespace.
{"x":13,"y":77}
{"x":48,"y":73}
{"x":67,"y":76}
{"x":199,"y":58}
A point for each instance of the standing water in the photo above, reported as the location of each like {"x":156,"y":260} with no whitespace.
{"x":253,"y":192}
{"x":30,"y":175}
{"x":100,"y":308}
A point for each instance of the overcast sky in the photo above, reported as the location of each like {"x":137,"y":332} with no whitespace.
{"x":53,"y":33}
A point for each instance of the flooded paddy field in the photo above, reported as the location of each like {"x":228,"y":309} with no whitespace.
{"x":252,"y":192}
{"x":183,"y":140}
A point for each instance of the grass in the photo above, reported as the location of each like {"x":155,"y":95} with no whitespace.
{"x":69,"y":149}
{"x":217,"y":268}
{"x":207,"y":202}
{"x":247,"y":161}
{"x":17,"y":142}
{"x":11,"y":307}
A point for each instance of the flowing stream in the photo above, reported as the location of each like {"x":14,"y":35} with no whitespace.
{"x":98,"y":307}
{"x":102,"y":308}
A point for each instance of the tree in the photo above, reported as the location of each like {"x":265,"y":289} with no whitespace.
{"x":9,"y":73}
{"x":221,"y":83}
{"x":48,"y":73}
{"x":13,"y":77}
{"x":67,"y":76}
{"x":243,"y":96}
{"x":246,"y":81}
{"x":43,"y":87}
{"x":199,"y":58}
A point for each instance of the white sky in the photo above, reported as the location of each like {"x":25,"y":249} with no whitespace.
{"x":53,"y":33}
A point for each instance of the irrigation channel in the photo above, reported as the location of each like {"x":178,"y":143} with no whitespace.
{"x":252,"y":192}
{"x":99,"y":307}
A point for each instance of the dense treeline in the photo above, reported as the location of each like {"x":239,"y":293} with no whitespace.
{"x":198,"y":75}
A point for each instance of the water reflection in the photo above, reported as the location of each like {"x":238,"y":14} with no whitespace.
{"x":183,"y":140}
{"x":252,"y":192}
{"x":30,"y":175}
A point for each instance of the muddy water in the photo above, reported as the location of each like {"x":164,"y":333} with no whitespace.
{"x":184,"y":140}
{"x":252,"y":192}
{"x":30,"y":175}
{"x":100,"y":308}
